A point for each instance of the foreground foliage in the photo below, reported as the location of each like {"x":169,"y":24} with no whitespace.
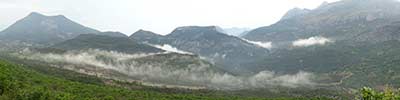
{"x":367,"y":93}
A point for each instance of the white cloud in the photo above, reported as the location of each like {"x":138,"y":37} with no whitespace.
{"x":316,"y":40}
{"x":267,"y":45}
{"x":169,"y":48}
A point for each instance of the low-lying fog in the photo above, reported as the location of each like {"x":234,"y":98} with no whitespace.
{"x":200,"y":75}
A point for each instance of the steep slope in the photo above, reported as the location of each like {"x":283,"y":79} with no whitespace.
{"x":364,"y":64}
{"x":382,"y":34}
{"x":318,"y":59}
{"x":295,"y":12}
{"x":41,"y":29}
{"x":102,"y":42}
{"x":225,"y":50}
{"x":342,"y":20}
{"x":364,"y":48}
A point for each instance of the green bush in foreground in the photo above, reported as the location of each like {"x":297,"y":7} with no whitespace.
{"x":367,"y":93}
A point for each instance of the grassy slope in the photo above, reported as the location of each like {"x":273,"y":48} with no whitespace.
{"x":17,"y":82}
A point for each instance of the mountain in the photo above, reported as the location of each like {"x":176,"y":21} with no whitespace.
{"x":111,"y":33}
{"x":222,"y":49}
{"x":146,"y":36}
{"x":235,"y":31}
{"x":342,"y":20}
{"x":364,"y":64}
{"x":319,"y":59}
{"x":363,"y":48}
{"x":295,"y":12}
{"x":102,"y":42}
{"x":47,"y":30}
{"x":385,"y":33}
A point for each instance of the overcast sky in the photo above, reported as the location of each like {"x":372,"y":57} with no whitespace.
{"x":160,"y":16}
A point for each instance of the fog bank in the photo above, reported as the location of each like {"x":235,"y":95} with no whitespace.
{"x":201,"y":74}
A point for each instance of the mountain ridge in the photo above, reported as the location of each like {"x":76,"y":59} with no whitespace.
{"x":47,"y":30}
{"x":207,"y":41}
{"x":109,"y":43}
{"x":341,"y":20}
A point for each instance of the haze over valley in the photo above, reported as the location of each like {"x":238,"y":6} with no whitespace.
{"x":337,"y":50}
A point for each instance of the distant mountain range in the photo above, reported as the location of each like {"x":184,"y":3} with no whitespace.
{"x":47,"y":30}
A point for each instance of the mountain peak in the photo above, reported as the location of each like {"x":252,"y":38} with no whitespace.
{"x":60,"y":17}
{"x":36,"y":14}
{"x":112,"y":34}
{"x":143,"y":32}
{"x":189,"y":31}
{"x":42,"y":29}
{"x":323,"y":4}
{"x":198,"y":28}
{"x":295,"y":12}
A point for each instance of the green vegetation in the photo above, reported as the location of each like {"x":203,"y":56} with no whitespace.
{"x":347,"y":65}
{"x":367,"y":93}
{"x":20,"y":83}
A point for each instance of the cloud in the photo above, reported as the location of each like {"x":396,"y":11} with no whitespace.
{"x":196,"y":75}
{"x":267,"y":45}
{"x":7,"y":5}
{"x":316,"y":40}
{"x":169,"y":48}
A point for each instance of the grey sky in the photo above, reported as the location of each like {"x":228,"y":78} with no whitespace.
{"x":160,"y":16}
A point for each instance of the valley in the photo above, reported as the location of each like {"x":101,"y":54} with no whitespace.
{"x":342,"y":50}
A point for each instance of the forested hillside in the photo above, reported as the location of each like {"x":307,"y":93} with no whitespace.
{"x":20,"y":83}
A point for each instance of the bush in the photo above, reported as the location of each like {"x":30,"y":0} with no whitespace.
{"x":367,"y":93}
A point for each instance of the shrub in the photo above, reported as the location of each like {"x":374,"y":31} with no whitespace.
{"x":367,"y":93}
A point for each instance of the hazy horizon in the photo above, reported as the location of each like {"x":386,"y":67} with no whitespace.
{"x":162,"y":17}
